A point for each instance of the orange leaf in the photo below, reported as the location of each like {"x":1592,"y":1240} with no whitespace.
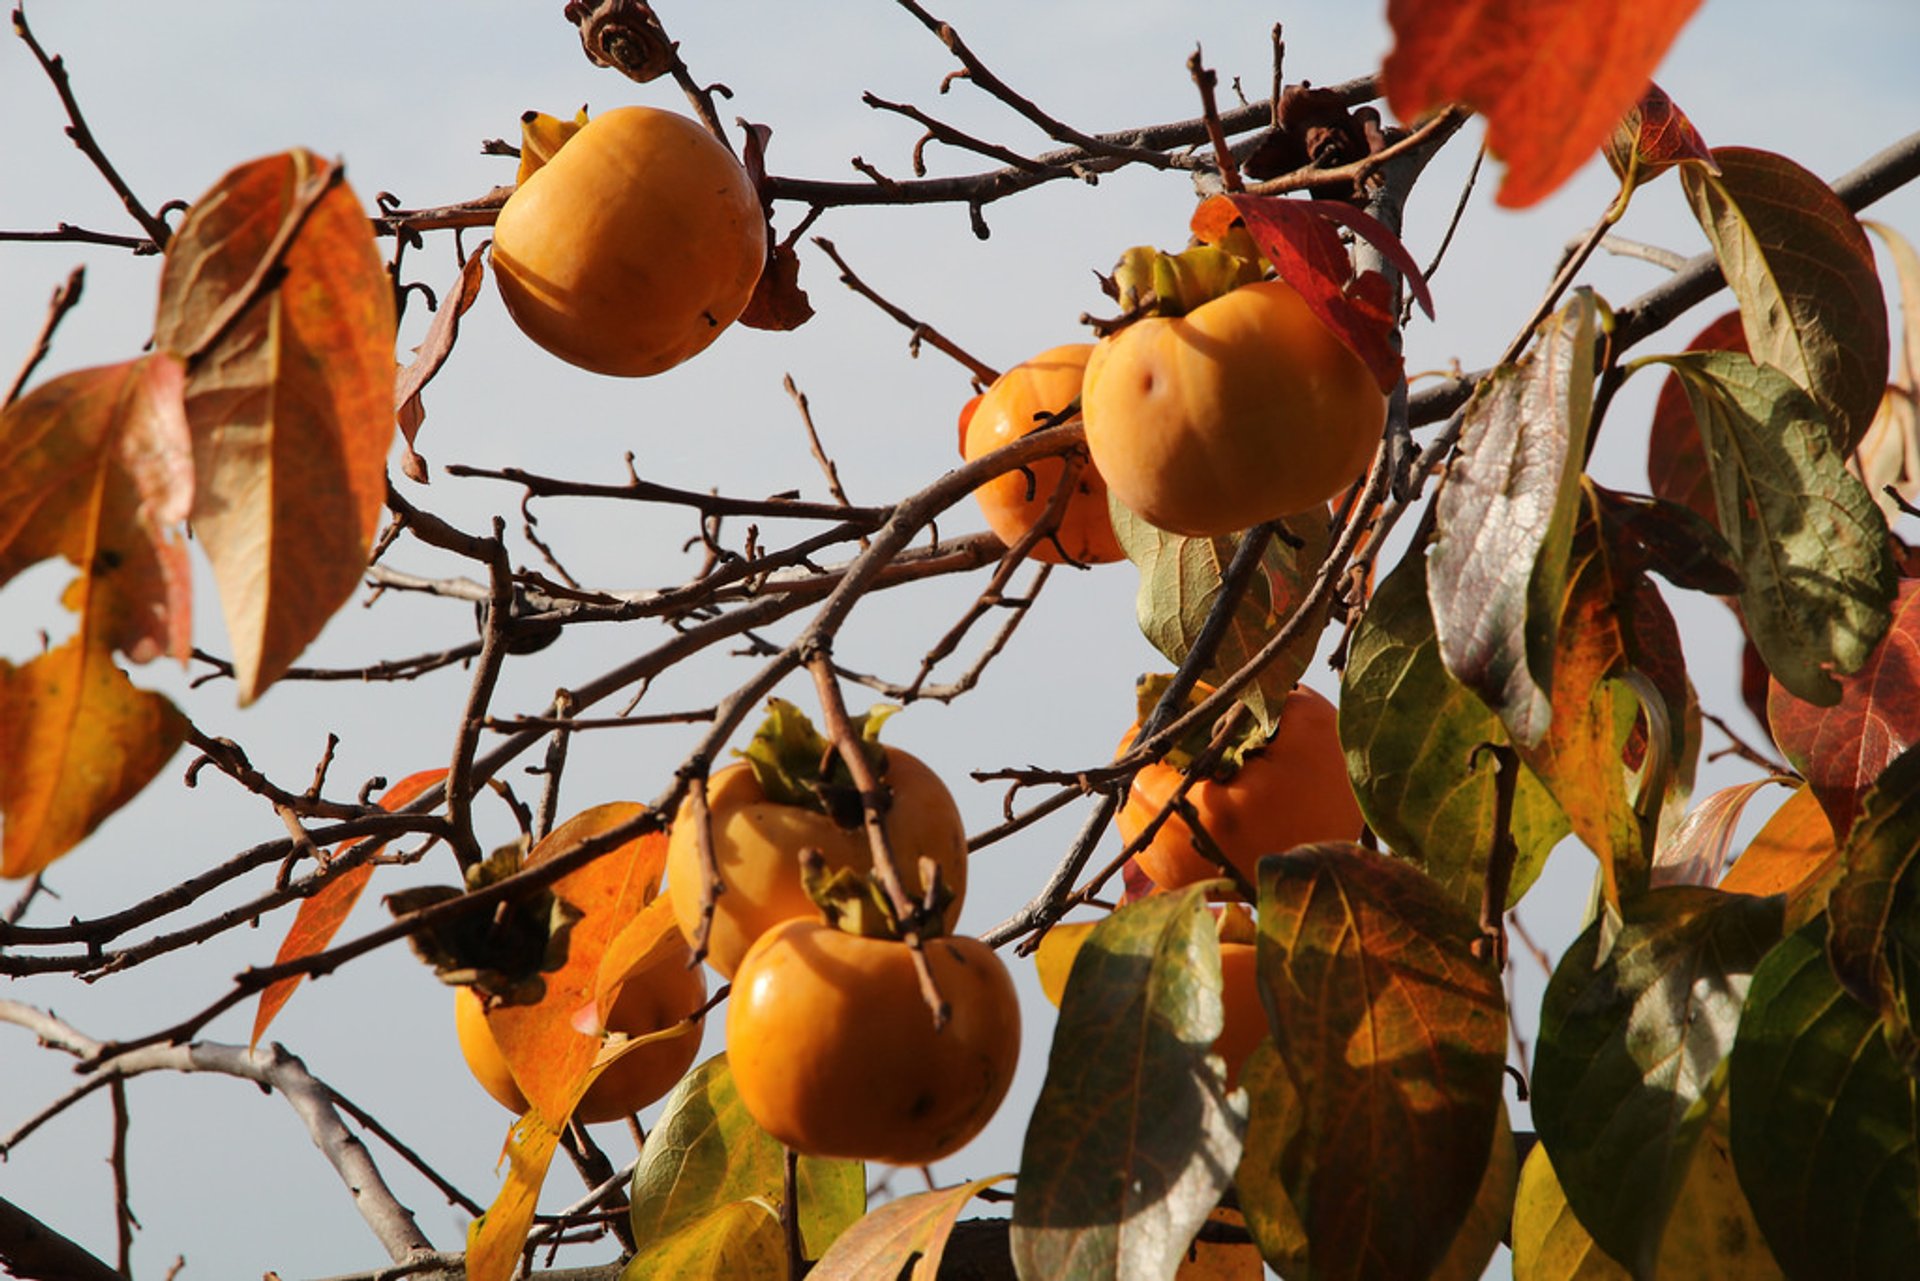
{"x":97,"y":466}
{"x":634,"y":950}
{"x":321,"y":915}
{"x":909,"y":1232}
{"x":1552,"y":77}
{"x":1788,"y":855}
{"x":77,"y":741}
{"x":289,"y":395}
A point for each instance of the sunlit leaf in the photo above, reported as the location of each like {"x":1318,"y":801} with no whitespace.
{"x":1873,"y":936}
{"x":1496,"y":576}
{"x":1180,"y":579}
{"x":705,"y":1152}
{"x":1810,"y":541}
{"x":77,"y":741}
{"x":907,"y":1232}
{"x":651,"y":938}
{"x":1826,"y":1139}
{"x":1696,"y":851}
{"x":289,"y":395}
{"x":1653,"y":137}
{"x":1840,"y":750}
{"x":1803,"y":273}
{"x":1676,"y":460}
{"x":1372,"y":1122}
{"x":1411,"y":733}
{"x":97,"y":466}
{"x":1134,"y":1136}
{"x":1712,"y":1235}
{"x":323,"y":913}
{"x":1053,"y":959}
{"x":1553,"y":77}
{"x":1793,"y":853}
{"x":735,"y":1240}
{"x":1549,"y":1243}
{"x":429,"y":356}
{"x":1636,"y":1021}
{"x":495,"y":1239}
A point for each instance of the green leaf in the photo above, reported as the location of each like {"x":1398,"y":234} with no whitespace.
{"x":738,"y":1239}
{"x":1410,"y":731}
{"x":1810,"y":541}
{"x":1505,"y":522}
{"x":706,"y":1153}
{"x":1802,"y":270}
{"x":1134,"y":1137}
{"x":1874,"y":908}
{"x":1633,"y":1029}
{"x":1372,"y":1123}
{"x":1180,"y":579}
{"x":1826,"y":1137}
{"x":907,"y":1232}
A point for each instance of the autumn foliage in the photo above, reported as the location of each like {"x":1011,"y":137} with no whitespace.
{"x":1285,"y":1031}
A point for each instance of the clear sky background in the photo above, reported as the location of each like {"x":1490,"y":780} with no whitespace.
{"x":178,"y":94}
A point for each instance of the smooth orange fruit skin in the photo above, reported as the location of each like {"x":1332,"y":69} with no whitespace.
{"x":1245,"y":409}
{"x":1018,"y":399}
{"x":757,"y":844}
{"x":835,"y":1054}
{"x":633,"y":247}
{"x":1292,"y":791}
{"x":658,"y":997}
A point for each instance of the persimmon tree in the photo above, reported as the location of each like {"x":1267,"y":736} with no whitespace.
{"x":1297,"y":1056}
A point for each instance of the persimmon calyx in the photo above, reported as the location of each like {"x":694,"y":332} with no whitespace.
{"x":541,"y":136}
{"x":1152,"y":282}
{"x":855,"y":902}
{"x":795,"y":764}
{"x":1246,"y":739}
{"x":501,"y":955}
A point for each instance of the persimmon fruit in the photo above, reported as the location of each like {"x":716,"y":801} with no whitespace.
{"x":1291,"y":791}
{"x":1014,"y":502}
{"x":834,"y":1051}
{"x":757,"y":844}
{"x":633,"y":246}
{"x":656,"y":997}
{"x":1242,"y":410}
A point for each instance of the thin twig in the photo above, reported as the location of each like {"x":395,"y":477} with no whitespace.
{"x":65,"y":298}
{"x":123,"y":1221}
{"x":1205,"y":81}
{"x":982,"y":372}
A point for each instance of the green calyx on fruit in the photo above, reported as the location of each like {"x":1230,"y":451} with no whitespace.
{"x":795,"y":764}
{"x":1188,"y":748}
{"x":1151,"y":282}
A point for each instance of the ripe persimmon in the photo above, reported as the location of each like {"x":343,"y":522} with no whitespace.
{"x":757,"y":839}
{"x":1014,"y":502}
{"x":1291,"y":790}
{"x":633,"y":246}
{"x":1242,"y":410}
{"x":835,"y":1053}
{"x":665,"y":992}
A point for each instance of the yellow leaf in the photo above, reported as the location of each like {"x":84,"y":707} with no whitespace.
{"x":1549,"y":1244}
{"x":739,"y":1239}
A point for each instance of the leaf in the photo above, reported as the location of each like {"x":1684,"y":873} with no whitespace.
{"x":429,"y":356}
{"x":909,"y":1232}
{"x":1712,"y":1234}
{"x":97,"y":466}
{"x":642,"y":943}
{"x":1826,"y":1140}
{"x":1670,"y":539}
{"x":1696,"y":851}
{"x":739,"y":1239}
{"x":1552,"y":77}
{"x":1134,"y":1136}
{"x":705,"y":1152}
{"x":1635,"y":1023}
{"x":1872,"y":940}
{"x":1803,"y":273}
{"x":1299,"y":239}
{"x":1489,"y":1222}
{"x":551,"y":1062}
{"x":1411,"y":733}
{"x":1390,"y":1039}
{"x":1180,"y":579}
{"x":1676,"y":460}
{"x":1840,"y":750}
{"x":323,"y":913}
{"x":1654,"y":136}
{"x":1053,"y":959}
{"x":1889,"y":454}
{"x":289,"y":395}
{"x":77,"y":742}
{"x":1549,"y":1243}
{"x":1793,"y":854}
{"x":1505,"y":518}
{"x":1811,"y":544}
{"x":778,"y":301}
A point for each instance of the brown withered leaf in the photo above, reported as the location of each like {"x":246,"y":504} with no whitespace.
{"x":429,"y":356}
{"x":1841,"y":750}
{"x":97,"y":466}
{"x":77,"y":741}
{"x":289,"y":397}
{"x":778,"y":301}
{"x":1803,"y":273}
{"x":1552,"y":77}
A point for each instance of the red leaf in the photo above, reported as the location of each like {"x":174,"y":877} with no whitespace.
{"x":1553,"y":77}
{"x":1298,"y":238}
{"x":321,"y":915}
{"x":1676,"y":461}
{"x":1654,"y":137}
{"x":1841,"y":750}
